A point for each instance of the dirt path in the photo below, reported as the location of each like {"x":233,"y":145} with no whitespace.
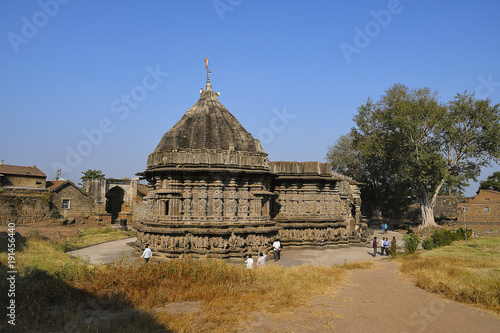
{"x":106,"y":253}
{"x":378,"y":300}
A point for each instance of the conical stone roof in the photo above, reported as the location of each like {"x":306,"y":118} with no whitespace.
{"x":209,"y":125}
{"x":208,"y":135}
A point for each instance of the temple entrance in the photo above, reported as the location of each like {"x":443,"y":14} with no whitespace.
{"x":114,"y":202}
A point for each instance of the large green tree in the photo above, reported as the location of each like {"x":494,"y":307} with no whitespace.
{"x":425,"y":144}
{"x":381,"y":194}
{"x":491,"y":183}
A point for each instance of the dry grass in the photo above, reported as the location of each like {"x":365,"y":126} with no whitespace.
{"x":57,"y":291}
{"x":469,"y":274}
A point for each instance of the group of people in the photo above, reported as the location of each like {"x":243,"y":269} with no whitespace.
{"x":387,"y":246}
{"x":384,"y":228}
{"x":261,"y":261}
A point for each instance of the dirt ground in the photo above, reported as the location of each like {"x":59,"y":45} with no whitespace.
{"x":378,"y":300}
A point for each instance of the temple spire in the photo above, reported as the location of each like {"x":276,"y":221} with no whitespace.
{"x":209,"y":85}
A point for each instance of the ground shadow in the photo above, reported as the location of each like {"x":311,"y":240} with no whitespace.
{"x":45,"y":303}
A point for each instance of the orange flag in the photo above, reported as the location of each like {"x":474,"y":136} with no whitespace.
{"x":206,"y":63}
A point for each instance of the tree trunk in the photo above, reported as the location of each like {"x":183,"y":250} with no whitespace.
{"x":427,"y":211}
{"x":376,"y":213}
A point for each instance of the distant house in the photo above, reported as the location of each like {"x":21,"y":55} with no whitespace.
{"x":69,"y":199}
{"x":16,"y":176}
{"x":483,"y":208}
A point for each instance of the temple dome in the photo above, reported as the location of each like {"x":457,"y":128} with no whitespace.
{"x":209,"y":125}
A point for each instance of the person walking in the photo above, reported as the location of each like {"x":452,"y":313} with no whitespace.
{"x":277,"y":249}
{"x":262,"y":260}
{"x":375,"y":246}
{"x":147,"y":254}
{"x":385,"y":227}
{"x":249,"y":262}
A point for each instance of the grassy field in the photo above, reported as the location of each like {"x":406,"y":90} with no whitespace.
{"x":57,"y":292}
{"x":84,"y":236}
{"x":468,"y":274}
{"x":91,"y":236}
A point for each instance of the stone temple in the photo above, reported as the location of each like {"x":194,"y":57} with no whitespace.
{"x":213,"y":192}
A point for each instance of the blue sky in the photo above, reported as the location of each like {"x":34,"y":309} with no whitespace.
{"x":292,"y":72}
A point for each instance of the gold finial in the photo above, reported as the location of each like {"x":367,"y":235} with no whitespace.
{"x":209,"y":85}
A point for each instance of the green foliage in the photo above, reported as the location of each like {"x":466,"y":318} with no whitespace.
{"x":409,"y":143}
{"x":444,"y":237}
{"x":461,"y":233}
{"x":411,"y":242}
{"x":428,"y":244}
{"x":491,"y":183}
{"x":92,"y":174}
{"x":45,"y":199}
{"x":54,"y":213}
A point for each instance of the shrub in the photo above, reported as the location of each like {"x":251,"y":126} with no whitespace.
{"x":411,"y":243}
{"x":54,"y":213}
{"x":443,"y":237}
{"x":428,"y":244}
{"x":460,"y":233}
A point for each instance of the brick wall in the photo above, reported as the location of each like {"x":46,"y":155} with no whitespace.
{"x":483,"y":208}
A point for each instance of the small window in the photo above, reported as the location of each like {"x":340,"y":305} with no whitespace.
{"x":66,"y":204}
{"x":486,"y":209}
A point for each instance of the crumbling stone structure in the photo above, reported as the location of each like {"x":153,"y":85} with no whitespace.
{"x":114,"y":198}
{"x":214,"y":193}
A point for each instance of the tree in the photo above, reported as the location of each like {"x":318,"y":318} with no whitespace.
{"x":491,"y":183}
{"x":426,"y":144}
{"x":379,"y":195}
{"x":92,"y":174}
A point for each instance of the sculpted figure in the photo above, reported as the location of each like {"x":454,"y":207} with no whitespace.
{"x":217,"y":207}
{"x":243,"y":208}
{"x":202,"y":207}
{"x":231,"y":207}
{"x":186,"y":207}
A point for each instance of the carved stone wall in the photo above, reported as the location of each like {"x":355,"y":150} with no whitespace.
{"x":206,"y":213}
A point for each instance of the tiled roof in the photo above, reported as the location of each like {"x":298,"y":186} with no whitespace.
{"x":7,"y":169}
{"x":55,"y":184}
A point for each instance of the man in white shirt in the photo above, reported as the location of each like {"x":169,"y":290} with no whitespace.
{"x":387,"y":245}
{"x":382,"y":246}
{"x":147,"y":254}
{"x":262,"y":260}
{"x":249,"y":262}
{"x":277,"y":249}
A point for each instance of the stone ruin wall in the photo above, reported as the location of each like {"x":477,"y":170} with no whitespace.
{"x":24,"y":206}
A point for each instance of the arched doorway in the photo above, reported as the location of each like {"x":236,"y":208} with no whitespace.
{"x":114,"y":202}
